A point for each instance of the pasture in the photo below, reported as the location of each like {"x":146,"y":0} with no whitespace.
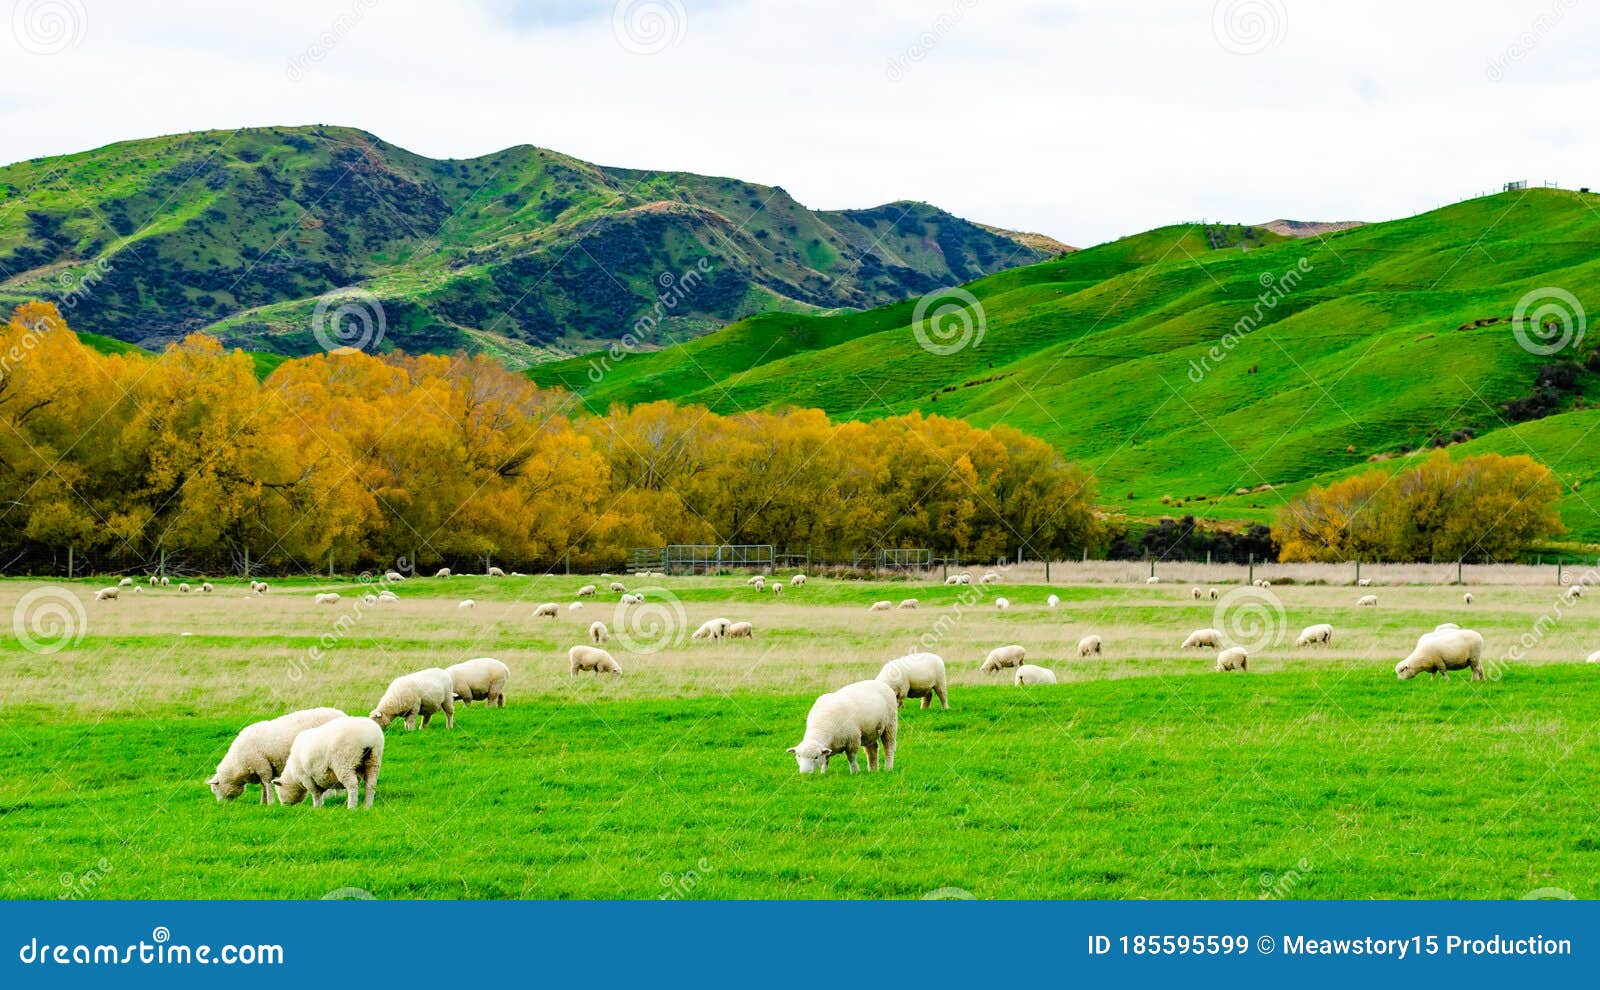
{"x":1142,"y":774}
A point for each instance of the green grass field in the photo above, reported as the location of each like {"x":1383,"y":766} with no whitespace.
{"x":1141,"y":775}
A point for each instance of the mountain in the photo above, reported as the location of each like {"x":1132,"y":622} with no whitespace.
{"x":526,"y":252}
{"x":1348,"y":350}
{"x":1308,"y":228}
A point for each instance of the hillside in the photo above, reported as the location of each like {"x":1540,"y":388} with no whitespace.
{"x":1371,"y":342}
{"x":526,"y":253}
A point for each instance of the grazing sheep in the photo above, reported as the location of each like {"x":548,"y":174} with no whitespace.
{"x":1195,"y":593}
{"x":617,"y":586}
{"x":598,"y":633}
{"x":1215,"y":594}
{"x":797,"y":581}
{"x":420,"y":694}
{"x":1002,"y":603}
{"x":963,"y":579}
{"x":260,"y":750}
{"x":327,"y":597}
{"x":259,"y":587}
{"x":917,"y":675}
{"x":466,"y":603}
{"x":106,"y":595}
{"x":126,"y":582}
{"x":1367,"y":601}
{"x":1202,"y":637}
{"x":1466,"y":599}
{"x":760,"y":583}
{"x":387,"y":596}
{"x":393,"y":576}
{"x":1030,"y":674}
{"x":587,"y":591}
{"x":574,"y":606}
{"x":1152,"y":579}
{"x":712,"y":629}
{"x":755,"y":579}
{"x":1442,"y":651}
{"x":907,"y":603}
{"x":1575,"y":591}
{"x":1594,"y":657}
{"x":741,"y":630}
{"x":631,"y":599}
{"x":952,"y":580}
{"x":1089,"y":646}
{"x":592,"y":658}
{"x":442,"y":572}
{"x":989,"y":577}
{"x":1364,"y":583}
{"x":1321,"y":633}
{"x":496,"y":572}
{"x":1052,"y":601}
{"x":777,"y":589}
{"x":165,"y":580}
{"x":1445,"y":625}
{"x":155,"y":580}
{"x":880,"y":606}
{"x":341,"y":753}
{"x":1233,"y":658}
{"x":1003,"y":656}
{"x":547,"y":610}
{"x":206,"y":588}
{"x":481,"y":679}
{"x":184,"y":588}
{"x":858,"y":716}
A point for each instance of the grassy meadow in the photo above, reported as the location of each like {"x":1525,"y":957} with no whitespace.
{"x":1142,"y":774}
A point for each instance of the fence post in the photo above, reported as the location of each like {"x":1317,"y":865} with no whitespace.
{"x":569,"y":561}
{"x":1458,"y":573}
{"x":1558,"y":572}
{"x":247,"y":562}
{"x":1085,"y":553}
{"x":1208,"y":558}
{"x":1252,"y":570}
{"x":69,"y":563}
{"x":1358,"y":571}
{"x":1047,"y":570}
{"x":330,"y":565}
{"x":163,"y":566}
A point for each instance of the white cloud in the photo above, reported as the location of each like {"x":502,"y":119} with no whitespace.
{"x":1086,"y":121}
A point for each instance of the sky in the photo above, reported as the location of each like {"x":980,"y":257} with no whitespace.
{"x":1084,"y":121}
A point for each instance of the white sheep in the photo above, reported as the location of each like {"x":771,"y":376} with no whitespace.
{"x":442,"y":572}
{"x":1594,"y":657}
{"x":755,"y":579}
{"x":1202,"y":637}
{"x":154,"y":580}
{"x":260,"y":750}
{"x":387,"y":596}
{"x":1214,"y":594}
{"x":206,"y":588}
{"x":1466,"y":599}
{"x":1152,"y":579}
{"x":917,"y":675}
{"x":741,"y":630}
{"x":259,"y":587}
{"x":106,"y":595}
{"x":952,"y":580}
{"x":393,"y":576}
{"x":574,"y":606}
{"x":631,"y":599}
{"x":711,"y":629}
{"x":587,"y":591}
{"x":184,"y":588}
{"x":1089,"y":646}
{"x":345,"y":752}
{"x":1052,"y":601}
{"x":327,"y":598}
{"x":496,"y":572}
{"x":467,"y":603}
{"x":1003,"y":656}
{"x":880,"y":606}
{"x":1030,"y":674}
{"x":126,"y":582}
{"x":1367,"y":601}
{"x":1002,"y":603}
{"x":759,"y":583}
{"x":419,"y":694}
{"x":598,"y":633}
{"x":617,"y":586}
{"x":1442,"y":651}
{"x":1575,"y":591}
{"x":480,"y":679}
{"x":863,"y":715}
{"x":797,"y":581}
{"x":963,"y":579}
{"x":1445,"y":625}
{"x":989,"y":577}
{"x":907,"y":603}
{"x":777,"y":589}
{"x":1319,"y":634}
{"x":547,"y":610}
{"x":592,"y":658}
{"x":1364,"y":583}
{"x":165,"y":580}
{"x":1195,"y":593}
{"x":1233,"y":658}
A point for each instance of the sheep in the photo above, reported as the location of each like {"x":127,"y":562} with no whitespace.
{"x":964,"y":579}
{"x":258,"y":587}
{"x":858,"y":716}
{"x":480,"y":679}
{"x":184,"y":588}
{"x":592,"y":658}
{"x":797,"y":581}
{"x":206,"y":588}
{"x":777,"y":589}
{"x":1030,"y":674}
{"x":587,"y":591}
{"x":1319,"y":634}
{"x":741,"y":630}
{"x":1052,"y":601}
{"x":126,"y":582}
{"x":260,"y":750}
{"x":393,"y":576}
{"x":496,"y":572}
{"x":1594,"y":657}
{"x":327,"y":598}
{"x":1202,"y":637}
{"x":342,"y":753}
{"x":1575,"y":591}
{"x":755,"y":579}
{"x":631,"y":599}
{"x":712,"y":629}
{"x":598,"y":633}
{"x":1002,"y":603}
{"x":1364,"y":583}
{"x":1214,"y":594}
{"x":617,"y":586}
{"x":419,"y":694}
{"x":907,"y":603}
{"x":1466,"y":599}
{"x":989,"y":577}
{"x":880,"y":606}
{"x":917,"y":675}
{"x":1152,"y":579}
{"x":1442,"y":651}
{"x":387,"y":596}
{"x":1089,"y":646}
{"x":154,"y":580}
{"x":574,"y":606}
{"x":1003,"y":656}
{"x":1441,"y":627}
{"x":547,"y":610}
{"x":165,"y":580}
{"x":1195,"y":593}
{"x":106,"y":595}
{"x":1367,"y":601}
{"x":442,"y":572}
{"x":760,"y":583}
{"x":1233,"y":658}
{"x":953,"y":579}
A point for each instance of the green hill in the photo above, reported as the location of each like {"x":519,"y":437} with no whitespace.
{"x":1367,"y":343}
{"x":525,"y":253}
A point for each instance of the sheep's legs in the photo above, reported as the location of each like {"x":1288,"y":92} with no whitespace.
{"x":888,"y":744}
{"x":449,"y":715}
{"x":872,"y":756}
{"x":352,"y":788}
{"x":316,"y":798}
{"x":372,"y":781}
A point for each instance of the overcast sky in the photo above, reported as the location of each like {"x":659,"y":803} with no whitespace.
{"x":1085,"y":121}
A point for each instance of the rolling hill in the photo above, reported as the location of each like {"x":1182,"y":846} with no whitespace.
{"x":1349,"y":348}
{"x":526,"y":253}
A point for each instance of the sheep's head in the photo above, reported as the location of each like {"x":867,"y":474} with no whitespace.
{"x":289,"y":791}
{"x":812,"y":757}
{"x":224,"y":790}
{"x":381,"y":717}
{"x":1405,"y":669}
